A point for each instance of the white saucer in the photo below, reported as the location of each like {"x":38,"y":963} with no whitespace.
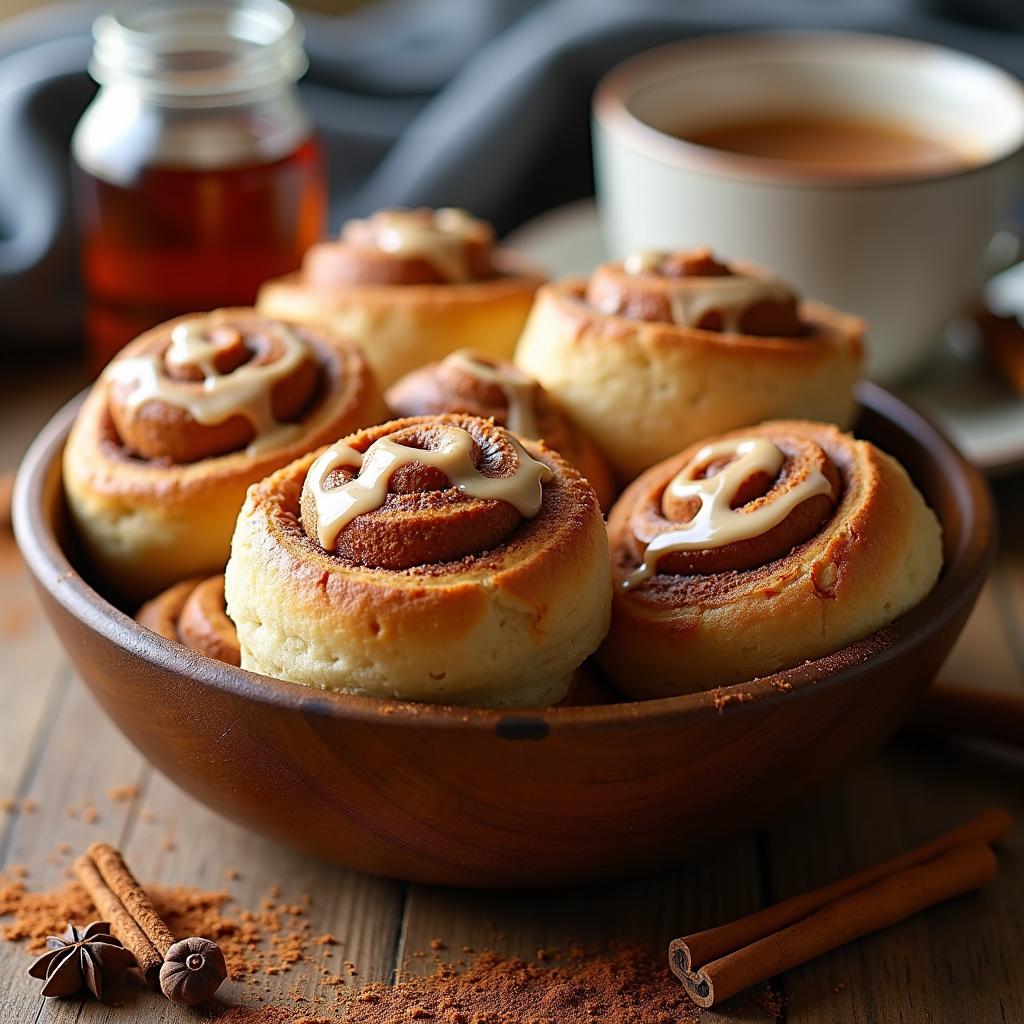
{"x":982,"y":415}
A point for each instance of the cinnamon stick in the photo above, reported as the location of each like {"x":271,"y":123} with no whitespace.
{"x":885,"y":902}
{"x":703,"y":948}
{"x":122,"y":924}
{"x":187,"y":971}
{"x":958,"y":711}
{"x":6,"y":493}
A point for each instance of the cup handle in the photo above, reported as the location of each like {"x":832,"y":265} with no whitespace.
{"x":995,"y":328}
{"x":1005,"y":250}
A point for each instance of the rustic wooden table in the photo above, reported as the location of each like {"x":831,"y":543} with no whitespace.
{"x":962,"y":962}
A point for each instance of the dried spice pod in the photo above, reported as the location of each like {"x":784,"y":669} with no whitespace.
{"x":81,"y":960}
{"x":192,"y":971}
{"x":115,"y":891}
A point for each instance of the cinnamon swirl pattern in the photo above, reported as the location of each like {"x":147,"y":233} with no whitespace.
{"x":434,"y":558}
{"x":192,"y":613}
{"x":665,"y":348}
{"x":411,"y":286}
{"x":485,"y":385}
{"x":752,"y":552}
{"x":184,"y":419}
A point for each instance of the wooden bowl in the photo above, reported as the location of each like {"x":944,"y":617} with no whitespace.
{"x":467,"y":796}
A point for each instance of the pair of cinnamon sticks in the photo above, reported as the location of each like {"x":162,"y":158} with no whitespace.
{"x":958,"y":711}
{"x":188,"y":970}
{"x":719,"y":962}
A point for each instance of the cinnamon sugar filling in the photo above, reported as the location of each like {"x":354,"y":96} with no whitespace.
{"x":155,"y":397}
{"x":484,"y":385}
{"x":733,"y":506}
{"x":373,"y":503}
{"x":405,"y":247}
{"x":693,"y":289}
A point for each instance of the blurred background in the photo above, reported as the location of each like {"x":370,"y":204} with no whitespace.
{"x":478,"y":103}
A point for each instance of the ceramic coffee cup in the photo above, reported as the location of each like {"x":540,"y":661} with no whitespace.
{"x":906,"y":251}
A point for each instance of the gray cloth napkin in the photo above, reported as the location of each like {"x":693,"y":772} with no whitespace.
{"x":476,"y":103}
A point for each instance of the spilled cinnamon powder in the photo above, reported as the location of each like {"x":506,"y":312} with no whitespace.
{"x":621,"y":986}
{"x":265,"y":941}
{"x":626,"y":986}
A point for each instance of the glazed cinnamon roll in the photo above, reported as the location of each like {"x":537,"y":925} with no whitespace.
{"x":436,"y":559}
{"x":485,"y":385}
{"x":183,"y":420}
{"x":663,"y":349}
{"x":411,"y":286}
{"x":757,"y":550}
{"x":192,"y":612}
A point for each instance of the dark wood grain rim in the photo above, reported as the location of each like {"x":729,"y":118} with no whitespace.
{"x":614,"y":92}
{"x":965,"y":570}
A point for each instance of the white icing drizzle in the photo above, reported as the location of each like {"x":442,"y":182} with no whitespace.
{"x":690,"y":298}
{"x":717,"y":523}
{"x":192,"y":347}
{"x":441,"y":240}
{"x":245,"y":391}
{"x":643,"y":261}
{"x":519,"y":388}
{"x":337,"y":507}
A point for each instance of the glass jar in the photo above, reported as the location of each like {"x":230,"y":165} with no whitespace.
{"x":197,"y":173}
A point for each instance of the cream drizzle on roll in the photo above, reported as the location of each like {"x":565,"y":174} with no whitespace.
{"x":643,"y":261}
{"x":519,"y":388}
{"x":440,"y":240}
{"x":692,"y":297}
{"x":716,"y":522}
{"x":338,"y":506}
{"x":245,"y":391}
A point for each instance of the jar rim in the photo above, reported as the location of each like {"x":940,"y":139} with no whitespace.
{"x":196,"y":53}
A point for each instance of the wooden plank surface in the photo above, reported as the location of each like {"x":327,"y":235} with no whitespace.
{"x":958,"y":963}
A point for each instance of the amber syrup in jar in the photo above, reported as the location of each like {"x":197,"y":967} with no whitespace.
{"x":197,"y":174}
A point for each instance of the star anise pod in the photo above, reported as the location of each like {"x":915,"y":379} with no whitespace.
{"x":81,"y":960}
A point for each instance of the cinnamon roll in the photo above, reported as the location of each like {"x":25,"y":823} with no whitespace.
{"x":754,"y":551}
{"x":435,"y":558}
{"x":192,"y":612}
{"x":486,"y":385}
{"x":654,"y":353}
{"x":183,"y":420}
{"x":411,"y":286}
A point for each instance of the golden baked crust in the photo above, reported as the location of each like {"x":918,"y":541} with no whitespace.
{"x":506,"y":626}
{"x":404,"y":326}
{"x":146,"y":523}
{"x":875,"y":557}
{"x":643,"y":389}
{"x":192,"y":613}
